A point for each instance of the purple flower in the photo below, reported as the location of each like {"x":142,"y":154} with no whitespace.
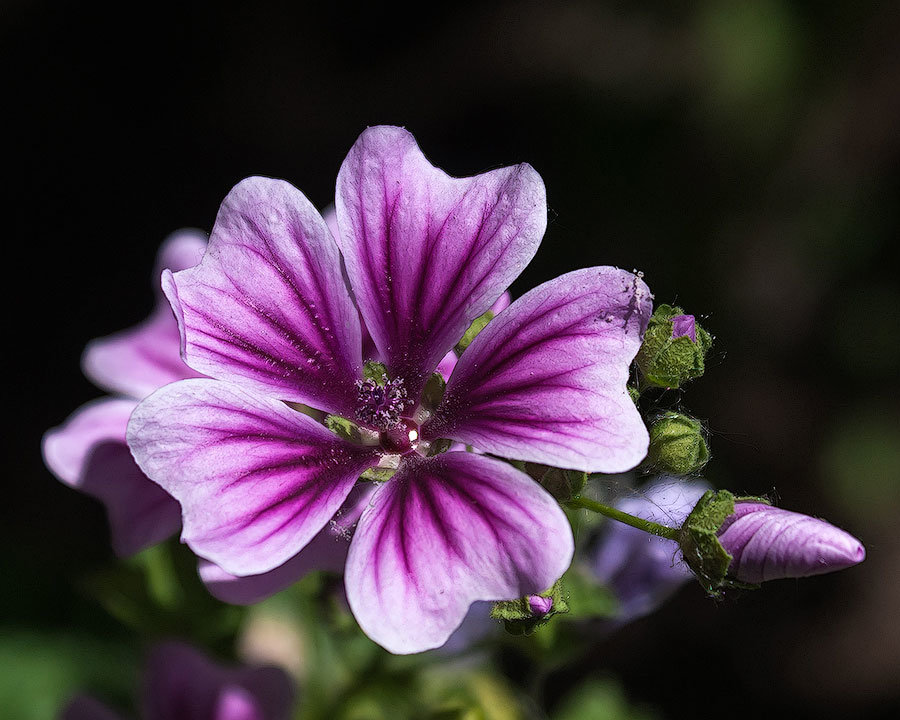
{"x":768,"y":543}
{"x":643,"y":570}
{"x":684,"y":325}
{"x":268,"y":315}
{"x":88,"y":451}
{"x":182,"y":684}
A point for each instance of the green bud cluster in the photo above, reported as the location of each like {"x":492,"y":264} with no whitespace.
{"x":666,"y":361}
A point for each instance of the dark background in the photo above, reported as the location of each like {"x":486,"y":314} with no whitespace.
{"x":743,"y":155}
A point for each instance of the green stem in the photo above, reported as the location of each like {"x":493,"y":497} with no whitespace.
{"x":646,"y":525}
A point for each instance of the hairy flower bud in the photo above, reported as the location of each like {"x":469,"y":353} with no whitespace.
{"x":728,"y":541}
{"x":677,"y":445}
{"x":540,"y":605}
{"x":674,"y":348}
{"x":769,"y":543}
{"x":524,"y":615}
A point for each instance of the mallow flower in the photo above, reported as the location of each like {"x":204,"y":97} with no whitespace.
{"x":88,"y":451}
{"x":269,"y":318}
{"x":645,"y":570}
{"x":180,"y":683}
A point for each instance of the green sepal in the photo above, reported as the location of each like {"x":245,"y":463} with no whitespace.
{"x":343,"y":428}
{"x":375,"y":371}
{"x":517,"y":616}
{"x":700,"y":544}
{"x":439,"y":446}
{"x":378,"y":474}
{"x":561,"y":484}
{"x":677,"y":445}
{"x":478,"y":324}
{"x":433,"y":392}
{"x":669,"y":362}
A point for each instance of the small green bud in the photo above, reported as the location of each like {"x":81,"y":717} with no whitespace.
{"x":673,"y":350}
{"x":478,"y":324}
{"x":634,"y":394}
{"x":677,"y":445}
{"x":525,"y":615}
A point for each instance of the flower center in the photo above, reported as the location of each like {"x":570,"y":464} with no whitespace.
{"x":402,"y":439}
{"x":381,"y":406}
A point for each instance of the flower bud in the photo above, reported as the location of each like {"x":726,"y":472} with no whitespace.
{"x":728,"y":541}
{"x":677,"y":445}
{"x":674,"y":348}
{"x":526,"y":614}
{"x":540,"y":605}
{"x":769,"y":543}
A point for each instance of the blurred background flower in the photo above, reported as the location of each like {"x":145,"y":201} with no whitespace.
{"x":743,"y":155}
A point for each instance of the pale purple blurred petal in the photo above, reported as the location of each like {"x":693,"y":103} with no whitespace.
{"x":326,"y":551}
{"x":83,"y":707}
{"x":643,"y":570}
{"x":88,"y":452}
{"x":182,"y":684}
{"x":684,"y":325}
{"x":256,"y":480}
{"x":478,"y":625}
{"x":235,"y":703}
{"x":426,"y":253}
{"x":141,"y":359}
{"x":443,"y":533}
{"x":268,"y":307}
{"x":183,"y":249}
{"x":769,"y":543}
{"x":545,"y":381}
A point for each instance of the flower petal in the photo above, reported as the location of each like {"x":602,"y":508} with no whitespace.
{"x":88,"y":453}
{"x":427,"y":253}
{"x":182,"y":684}
{"x":256,"y":480}
{"x":141,"y":359}
{"x":642,"y":570}
{"x":138,"y":360}
{"x":326,"y":551}
{"x":443,"y":533}
{"x":267,"y":307}
{"x":545,"y":380}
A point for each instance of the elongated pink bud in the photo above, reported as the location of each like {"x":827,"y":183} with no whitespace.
{"x":768,"y":543}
